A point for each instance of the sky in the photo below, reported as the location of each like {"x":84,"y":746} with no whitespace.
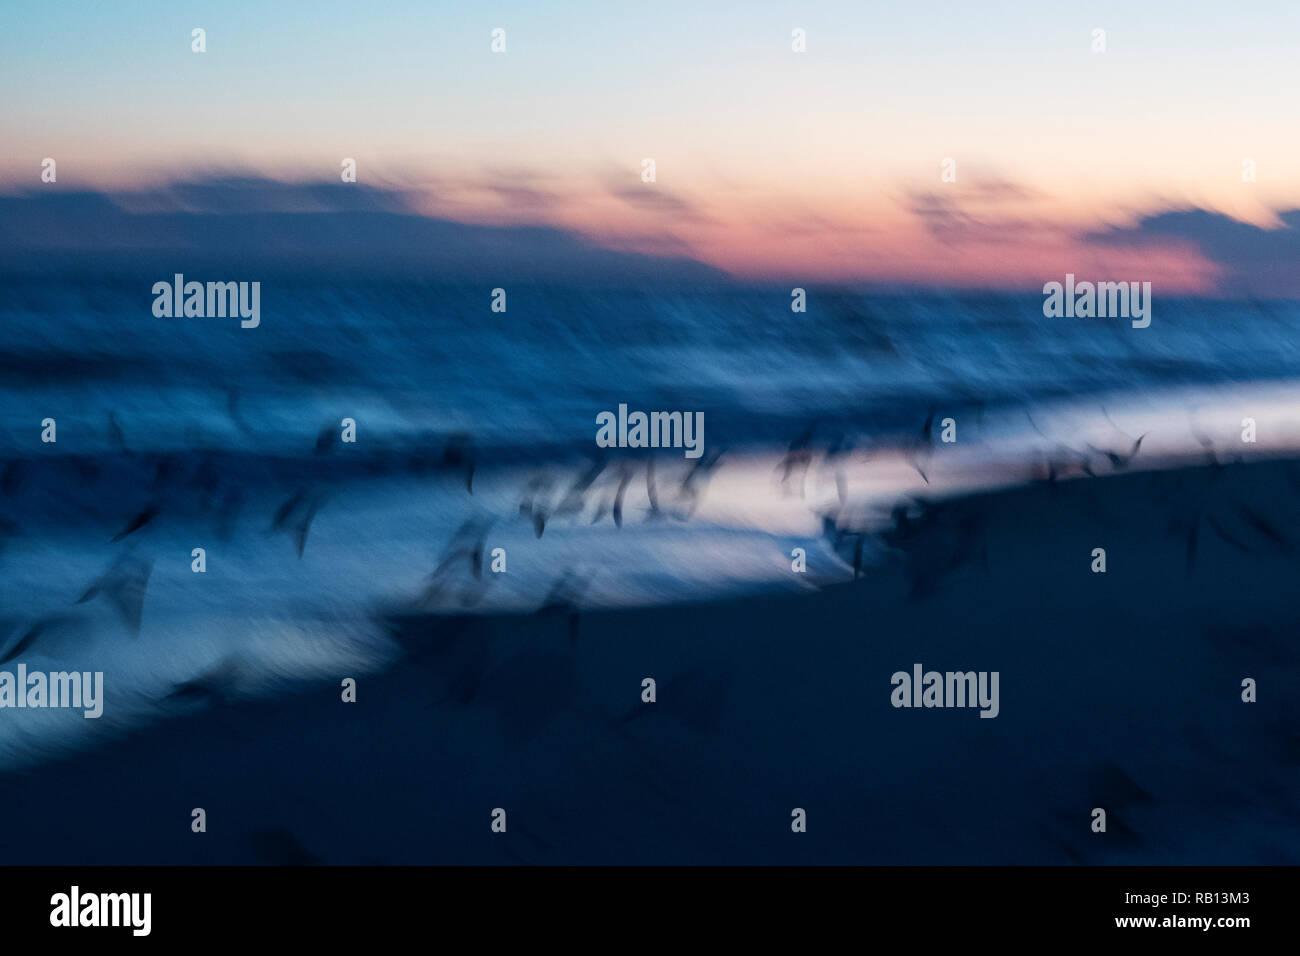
{"x":825,"y":163}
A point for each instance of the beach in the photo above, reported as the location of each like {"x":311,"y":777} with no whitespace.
{"x":1120,"y":690}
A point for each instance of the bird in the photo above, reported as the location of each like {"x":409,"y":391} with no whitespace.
{"x":927,"y":428}
{"x":459,"y":453}
{"x":1222,"y":532}
{"x":925,"y":446}
{"x":232,"y":409}
{"x":798,"y":457}
{"x":136,"y":523}
{"x":1118,"y":461}
{"x":295,"y":515}
{"x":652,"y":492}
{"x":563,"y":598}
{"x":13,"y":478}
{"x":325,"y":439}
{"x":699,"y":472}
{"x":115,"y":433}
{"x":23,"y":643}
{"x":575,"y":498}
{"x":530,"y":507}
{"x":467,"y":543}
{"x":1266,"y":528}
{"x":123,"y":585}
{"x":44,"y":633}
{"x":624,"y":481}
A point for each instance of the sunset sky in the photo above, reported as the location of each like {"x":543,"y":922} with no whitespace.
{"x":769,"y":162}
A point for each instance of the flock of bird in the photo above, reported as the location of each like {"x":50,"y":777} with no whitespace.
{"x":932,"y":536}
